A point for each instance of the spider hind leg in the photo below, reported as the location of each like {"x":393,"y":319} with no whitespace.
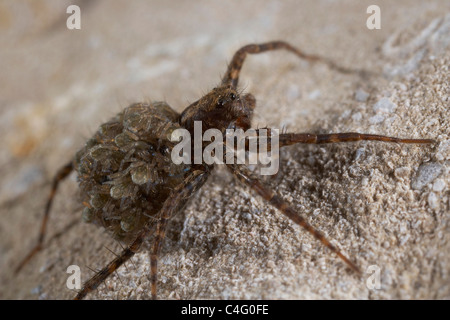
{"x":277,"y":201}
{"x":62,"y":174}
{"x":178,"y":197}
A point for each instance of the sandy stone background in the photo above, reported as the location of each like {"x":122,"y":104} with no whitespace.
{"x":385,"y":205}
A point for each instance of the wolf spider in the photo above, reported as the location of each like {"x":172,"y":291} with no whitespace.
{"x":130,"y":186}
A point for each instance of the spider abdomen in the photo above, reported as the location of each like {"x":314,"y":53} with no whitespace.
{"x":125,"y":171}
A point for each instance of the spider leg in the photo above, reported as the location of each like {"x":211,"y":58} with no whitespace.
{"x":60,"y":176}
{"x":159,"y":238}
{"x":179,"y":197}
{"x":100,"y":276}
{"x":231,"y":76}
{"x":172,"y":205}
{"x":244,"y":175}
{"x":287,"y":139}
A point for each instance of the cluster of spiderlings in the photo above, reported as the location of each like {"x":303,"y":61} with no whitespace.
{"x":125,"y":170}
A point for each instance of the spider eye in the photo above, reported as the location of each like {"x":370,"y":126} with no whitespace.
{"x":232,"y":96}
{"x":220,"y":102}
{"x":164,"y":150}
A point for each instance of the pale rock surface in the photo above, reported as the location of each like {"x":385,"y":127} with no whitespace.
{"x":375,"y":201}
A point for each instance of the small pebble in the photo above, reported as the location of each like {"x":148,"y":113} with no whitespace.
{"x":401,"y":172}
{"x":433,"y":201}
{"x":357,"y":116}
{"x":438,"y":185}
{"x":384,"y":105}
{"x":376,"y":119}
{"x":314,"y":95}
{"x":426,"y":174}
{"x":361,"y":95}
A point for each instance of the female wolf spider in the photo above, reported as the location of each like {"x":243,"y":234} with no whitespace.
{"x":130,"y":186}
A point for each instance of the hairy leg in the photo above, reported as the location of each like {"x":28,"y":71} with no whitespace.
{"x":180,"y":196}
{"x":159,"y":238}
{"x":60,"y":176}
{"x":244,"y":175}
{"x":173,"y":203}
{"x":231,"y":76}
{"x":287,"y":139}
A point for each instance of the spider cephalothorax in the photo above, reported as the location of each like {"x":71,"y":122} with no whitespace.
{"x":222,"y":108}
{"x":130,"y":185}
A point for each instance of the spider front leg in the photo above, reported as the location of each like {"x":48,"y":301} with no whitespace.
{"x":287,"y":139}
{"x":178,"y":197}
{"x":244,"y":175}
{"x":175,"y":203}
{"x":60,"y":176}
{"x":231,"y":76}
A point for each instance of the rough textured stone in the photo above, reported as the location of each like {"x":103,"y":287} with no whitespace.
{"x":57,"y":86}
